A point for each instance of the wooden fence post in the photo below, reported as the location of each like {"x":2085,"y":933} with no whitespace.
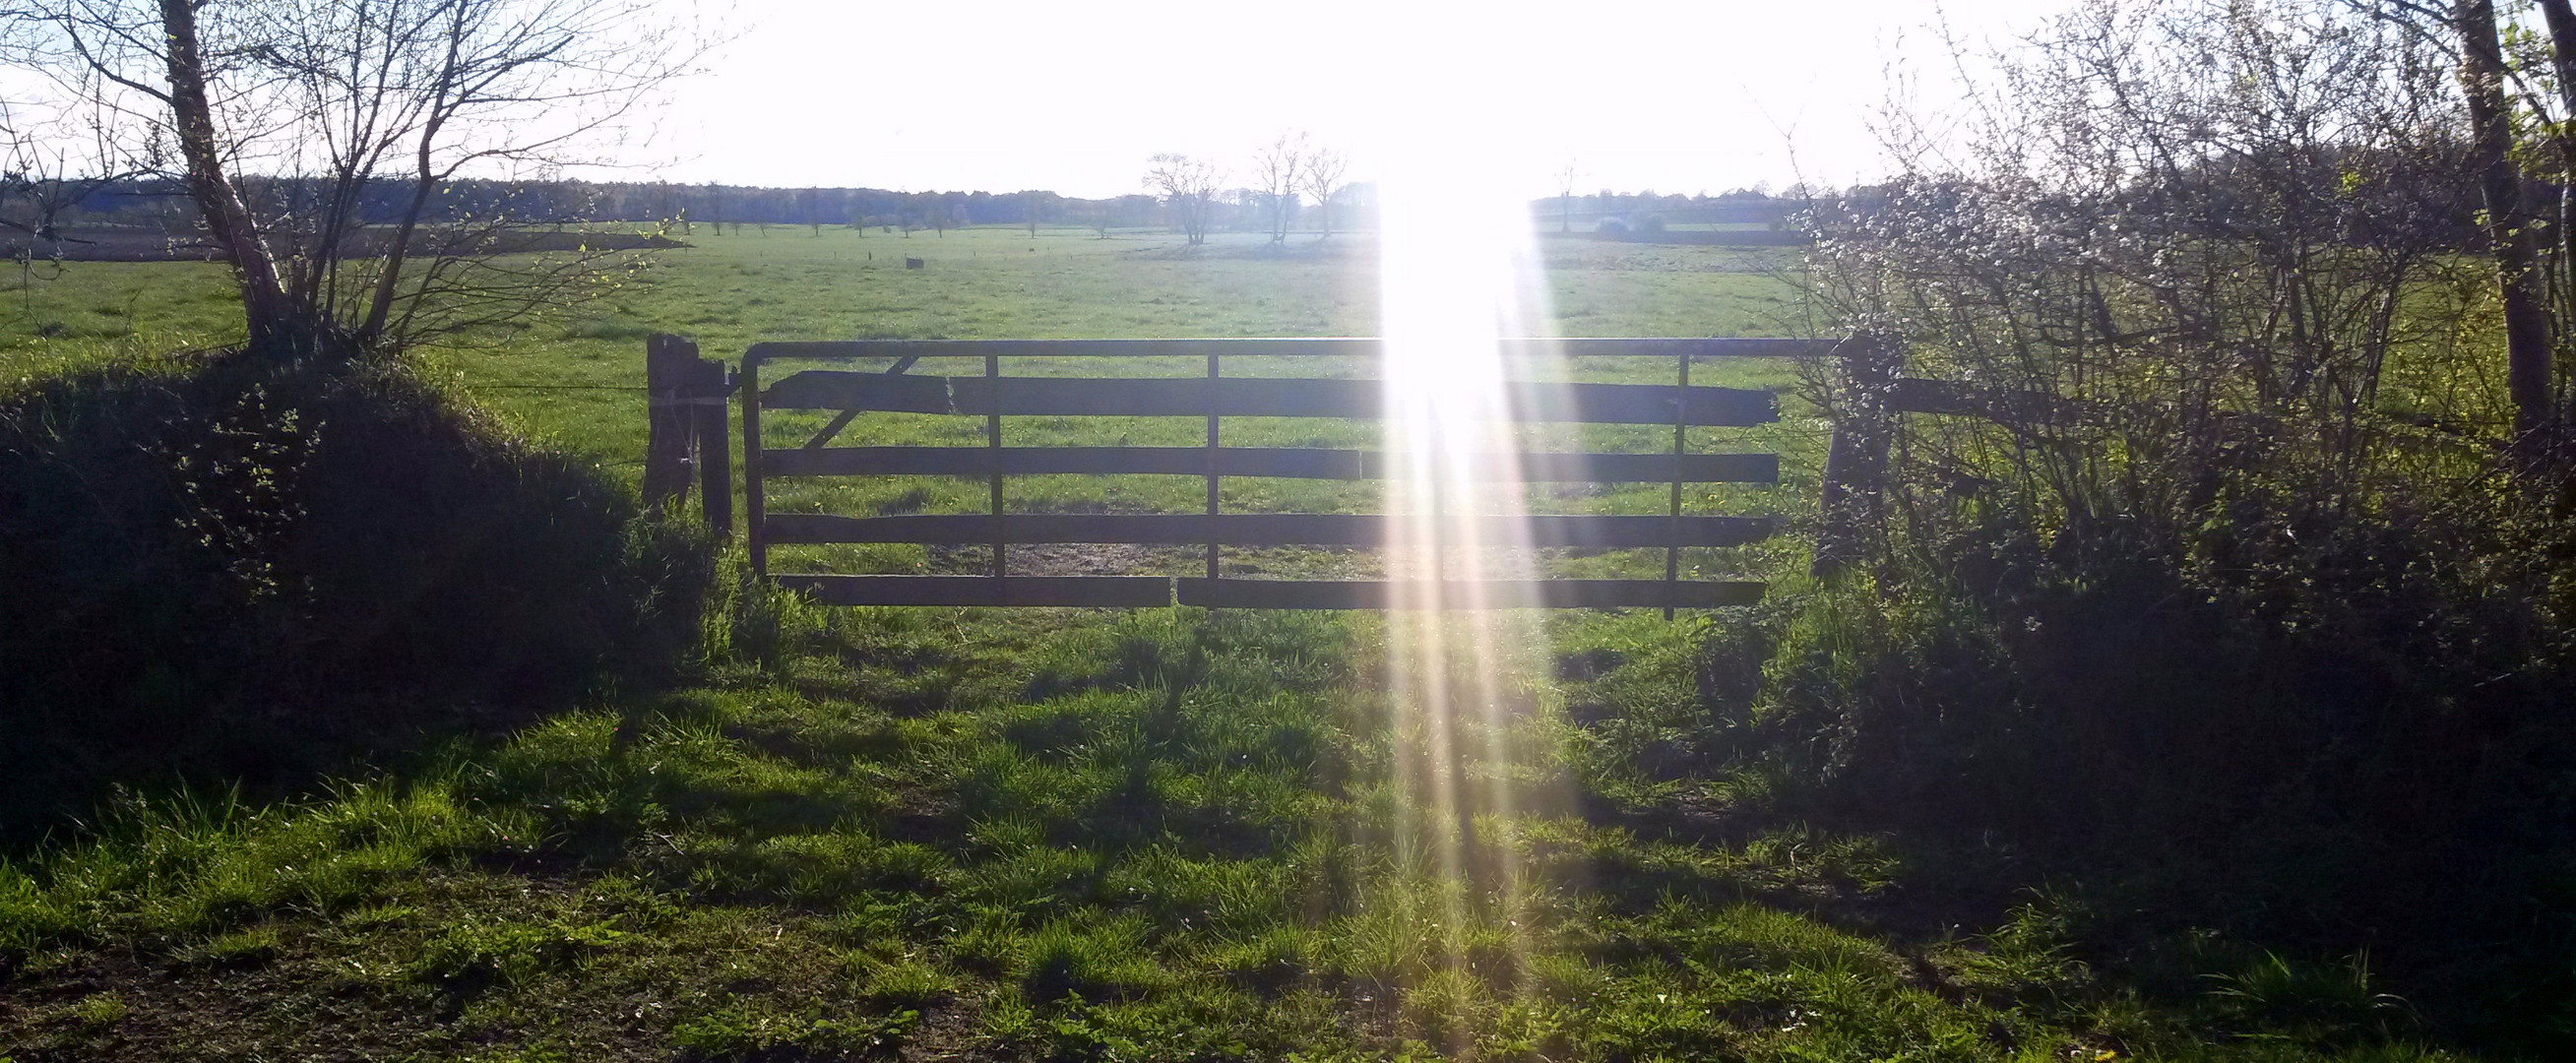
{"x":669,"y":362}
{"x":710,"y":388}
{"x":1856,"y":463}
{"x":1681,"y":448}
{"x":685,"y":424}
{"x":755,"y":543}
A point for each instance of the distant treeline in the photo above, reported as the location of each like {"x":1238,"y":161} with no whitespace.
{"x":164,"y":203}
{"x":157,"y":201}
{"x":1646,"y":211}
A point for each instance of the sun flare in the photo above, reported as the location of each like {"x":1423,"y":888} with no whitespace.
{"x":1462,"y":299}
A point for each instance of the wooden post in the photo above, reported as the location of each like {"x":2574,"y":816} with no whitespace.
{"x":1212,"y":457}
{"x":668,"y":361}
{"x":709,"y":389}
{"x":993,"y":440}
{"x":1439,"y":578}
{"x":754,"y":541}
{"x":1681,"y":428}
{"x":1856,"y":463}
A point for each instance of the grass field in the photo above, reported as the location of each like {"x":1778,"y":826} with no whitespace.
{"x":1066,"y":835}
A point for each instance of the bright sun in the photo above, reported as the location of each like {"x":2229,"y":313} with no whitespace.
{"x":1461,"y":295}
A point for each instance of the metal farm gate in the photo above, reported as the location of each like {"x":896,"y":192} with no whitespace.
{"x":683,"y":384}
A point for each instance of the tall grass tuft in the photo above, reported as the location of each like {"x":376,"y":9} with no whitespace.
{"x":198,"y":863}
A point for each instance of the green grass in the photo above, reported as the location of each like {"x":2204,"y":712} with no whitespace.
{"x":1052,"y":834}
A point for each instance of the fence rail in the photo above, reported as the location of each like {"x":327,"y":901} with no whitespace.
{"x":1299,"y":463}
{"x":819,"y":389}
{"x":1274,"y":347}
{"x":1258,"y":529}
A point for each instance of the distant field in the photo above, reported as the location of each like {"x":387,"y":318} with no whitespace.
{"x":571,"y":379}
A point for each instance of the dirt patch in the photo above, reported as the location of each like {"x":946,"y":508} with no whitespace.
{"x":1068,"y":559}
{"x":1128,"y":559}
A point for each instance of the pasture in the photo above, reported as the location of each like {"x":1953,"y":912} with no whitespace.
{"x":1068,"y":835}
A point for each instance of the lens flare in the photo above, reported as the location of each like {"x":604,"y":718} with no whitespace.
{"x":1461,"y":295}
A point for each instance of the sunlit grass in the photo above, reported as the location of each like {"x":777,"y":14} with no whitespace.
{"x":1061,"y":835}
{"x":1156,"y":835}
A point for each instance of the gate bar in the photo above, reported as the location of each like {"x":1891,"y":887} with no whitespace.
{"x":993,"y":440}
{"x":1214,"y":456}
{"x":1681,"y":429}
{"x":1325,"y":346}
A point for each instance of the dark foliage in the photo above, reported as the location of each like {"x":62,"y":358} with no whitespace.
{"x":2230,"y":608}
{"x":228,"y":573}
{"x":2381,"y":765}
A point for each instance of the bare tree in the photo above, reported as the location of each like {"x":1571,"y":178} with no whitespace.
{"x":1188,"y":188}
{"x":2200,"y":238}
{"x":2511,"y":230}
{"x":2561,"y":19}
{"x":40,"y":180}
{"x":288,"y":118}
{"x":1565,"y":180}
{"x":1322,"y":179}
{"x":2504,"y":78}
{"x":40,"y":183}
{"x":1279,"y":167}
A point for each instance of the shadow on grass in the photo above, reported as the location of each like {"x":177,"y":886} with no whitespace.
{"x":2381,"y":793}
{"x":224,"y":573}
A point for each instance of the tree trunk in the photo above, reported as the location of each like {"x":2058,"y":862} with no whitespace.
{"x":2526,"y":316}
{"x":425,"y":179}
{"x":228,"y":221}
{"x":2562,"y":50}
{"x":388,"y":279}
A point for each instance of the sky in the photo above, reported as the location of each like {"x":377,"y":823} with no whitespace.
{"x":1004,"y":95}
